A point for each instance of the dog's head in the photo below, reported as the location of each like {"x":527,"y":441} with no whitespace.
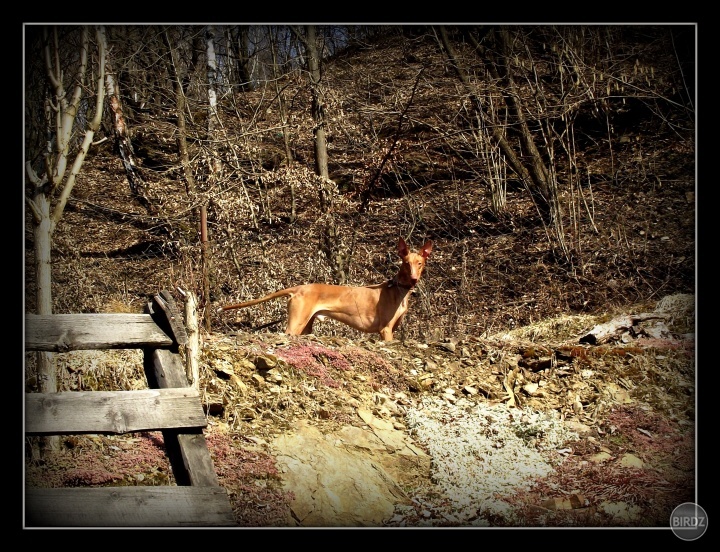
{"x":413,"y":264}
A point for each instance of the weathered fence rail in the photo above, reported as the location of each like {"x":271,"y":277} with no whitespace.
{"x":169,"y":405}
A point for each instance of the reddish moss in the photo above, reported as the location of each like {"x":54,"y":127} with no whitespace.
{"x":647,"y":431}
{"x":252,"y":481}
{"x":101,"y":461}
{"x":85,"y":477}
{"x":315,"y":361}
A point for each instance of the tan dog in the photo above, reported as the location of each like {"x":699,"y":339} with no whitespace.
{"x":373,"y":309}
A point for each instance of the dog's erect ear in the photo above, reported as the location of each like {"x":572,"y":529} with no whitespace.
{"x":402,"y":248}
{"x":426,"y":249}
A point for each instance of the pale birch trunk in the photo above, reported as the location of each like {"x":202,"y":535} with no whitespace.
{"x":57,"y":180}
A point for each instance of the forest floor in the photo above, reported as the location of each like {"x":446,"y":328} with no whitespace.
{"x":529,"y":428}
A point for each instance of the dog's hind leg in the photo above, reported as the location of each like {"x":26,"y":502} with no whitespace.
{"x":300,"y":317}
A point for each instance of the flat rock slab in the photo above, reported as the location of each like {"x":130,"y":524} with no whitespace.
{"x":347,"y":478}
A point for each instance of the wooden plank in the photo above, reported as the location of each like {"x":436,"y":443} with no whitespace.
{"x":171,"y":406}
{"x":188,"y":452}
{"x":128,"y":507}
{"x":70,"y":332}
{"x":112,"y":411}
{"x":197,"y":460}
{"x":164,"y":369}
{"x":172,"y":316}
{"x":192,"y":347}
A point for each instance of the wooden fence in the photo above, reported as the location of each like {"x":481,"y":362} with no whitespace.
{"x":169,"y":405}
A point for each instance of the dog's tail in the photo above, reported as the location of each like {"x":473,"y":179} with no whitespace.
{"x":280,"y":293}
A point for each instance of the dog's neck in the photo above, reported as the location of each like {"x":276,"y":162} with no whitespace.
{"x":395,"y":282}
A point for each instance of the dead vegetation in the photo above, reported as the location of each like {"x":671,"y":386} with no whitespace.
{"x":632,"y":400}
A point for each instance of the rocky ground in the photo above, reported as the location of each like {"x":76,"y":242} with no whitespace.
{"x":529,"y":428}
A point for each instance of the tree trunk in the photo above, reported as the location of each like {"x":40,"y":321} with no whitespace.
{"x":42,"y":232}
{"x":283,"y":120}
{"x":125,"y":148}
{"x":331,"y":242}
{"x":179,"y":76}
{"x":213,"y":115}
{"x":214,"y":164}
{"x":239,"y":44}
{"x":542,"y":190}
{"x":318,"y":111}
{"x":533,"y":179}
{"x":44,"y":217}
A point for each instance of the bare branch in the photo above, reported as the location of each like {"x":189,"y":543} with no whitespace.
{"x":90,"y":132}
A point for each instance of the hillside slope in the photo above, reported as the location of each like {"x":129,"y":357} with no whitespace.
{"x":488,"y":358}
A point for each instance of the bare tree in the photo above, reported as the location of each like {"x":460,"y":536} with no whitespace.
{"x":282,"y":108}
{"x":124,"y":143}
{"x":312,"y":56}
{"x":179,"y":74}
{"x":530,"y":167}
{"x":239,"y":47}
{"x":331,"y":243}
{"x":49,"y":191}
{"x":214,"y":163}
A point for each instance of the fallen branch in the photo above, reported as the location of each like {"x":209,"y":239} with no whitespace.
{"x":602,"y":333}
